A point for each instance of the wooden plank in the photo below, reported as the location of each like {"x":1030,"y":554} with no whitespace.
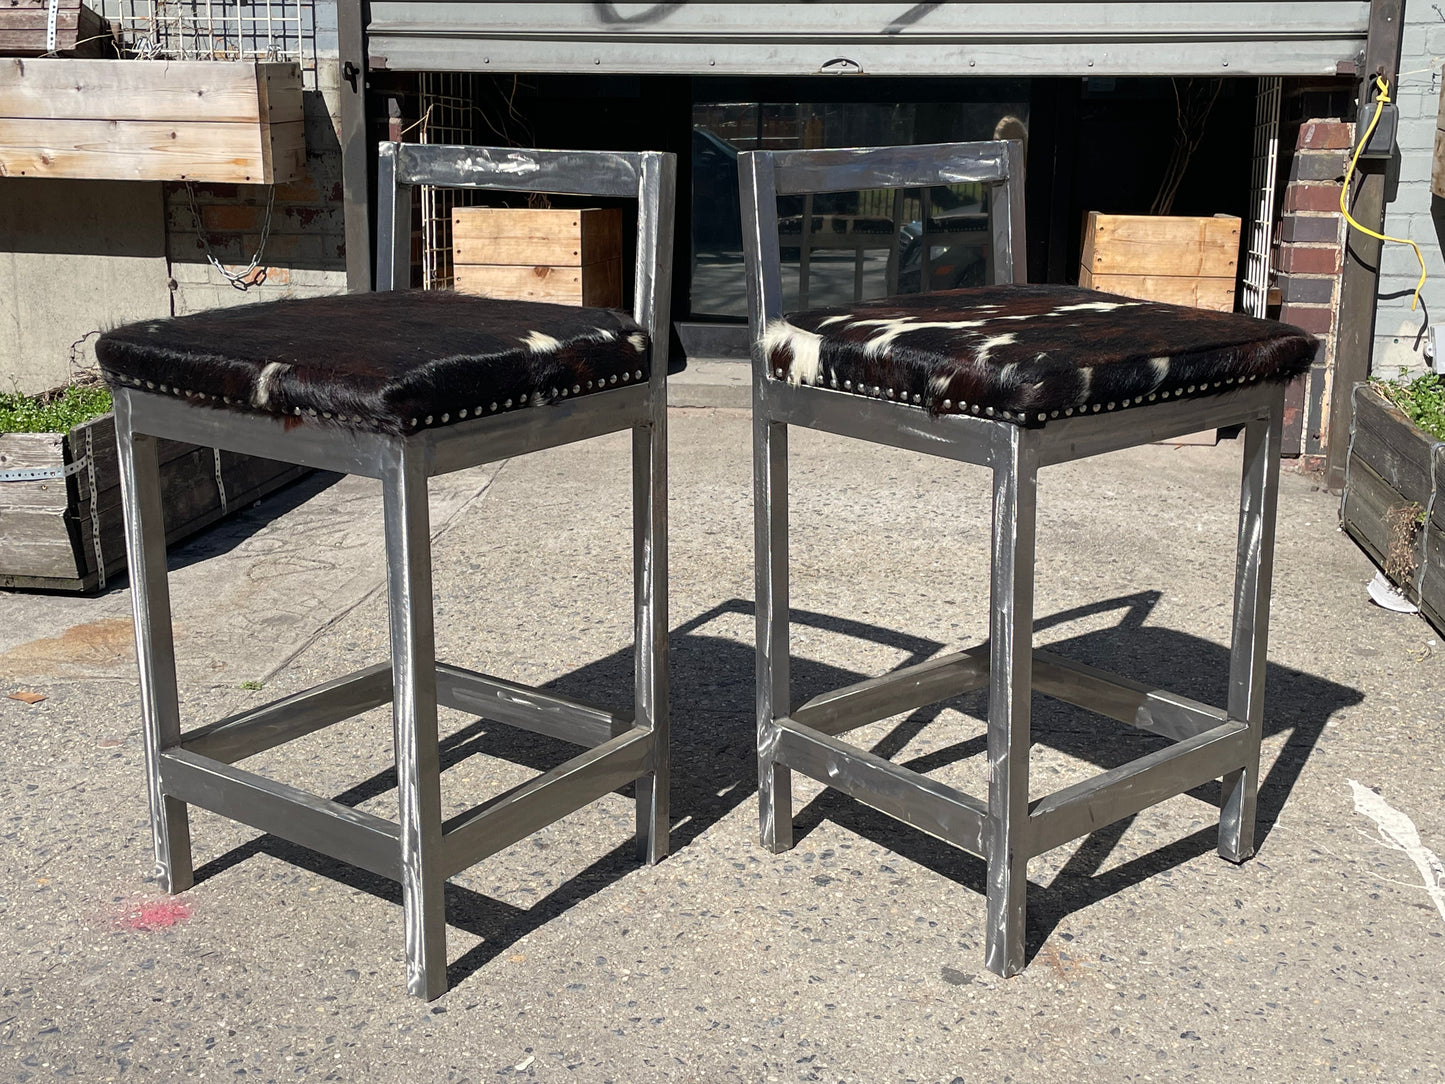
{"x":559,"y":238}
{"x":143,"y":90}
{"x":1196,"y":292}
{"x":143,"y":151}
{"x":594,"y":285}
{"x":37,"y":543}
{"x":1161,"y":245}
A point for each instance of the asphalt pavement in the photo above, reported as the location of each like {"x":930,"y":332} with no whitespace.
{"x":856,"y":957}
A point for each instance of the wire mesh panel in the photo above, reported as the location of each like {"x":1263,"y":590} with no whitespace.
{"x":1266,"y":158}
{"x":216,"y":29}
{"x":448,"y":115}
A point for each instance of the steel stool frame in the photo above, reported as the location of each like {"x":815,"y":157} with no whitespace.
{"x":1006,"y":829}
{"x":420,"y":850}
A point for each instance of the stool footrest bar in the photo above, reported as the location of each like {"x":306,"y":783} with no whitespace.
{"x":893,"y":693}
{"x":527,"y":708}
{"x":1155,"y":710}
{"x":250,"y":732}
{"x":325,"y":826}
{"x":1130,"y":788}
{"x":517,"y":813}
{"x":928,"y":805}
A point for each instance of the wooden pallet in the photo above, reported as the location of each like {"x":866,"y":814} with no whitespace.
{"x":527,"y":254}
{"x":48,"y":525}
{"x":1390,"y":470}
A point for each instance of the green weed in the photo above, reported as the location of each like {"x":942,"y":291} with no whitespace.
{"x":1422,"y":400}
{"x":53,"y":412}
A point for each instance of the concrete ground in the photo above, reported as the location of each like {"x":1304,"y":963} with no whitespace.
{"x":856,"y":957}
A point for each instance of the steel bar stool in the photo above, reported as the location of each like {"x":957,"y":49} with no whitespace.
{"x":1013,"y":378}
{"x":401,"y":385}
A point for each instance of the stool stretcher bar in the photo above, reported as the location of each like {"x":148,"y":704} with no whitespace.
{"x":930,"y":806}
{"x":331,"y":828}
{"x":250,"y":732}
{"x":527,"y":708}
{"x":902,"y":690}
{"x":501,"y":821}
{"x":1156,"y":710}
{"x":1131,"y":788}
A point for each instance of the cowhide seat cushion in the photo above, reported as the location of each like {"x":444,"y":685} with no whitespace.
{"x":1028,"y":354}
{"x":392,"y":362}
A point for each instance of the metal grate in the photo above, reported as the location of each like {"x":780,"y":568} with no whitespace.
{"x":216,"y":29}
{"x":448,"y":115}
{"x":1261,"y":227}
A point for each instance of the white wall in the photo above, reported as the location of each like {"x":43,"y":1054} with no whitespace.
{"x":1409,"y":216}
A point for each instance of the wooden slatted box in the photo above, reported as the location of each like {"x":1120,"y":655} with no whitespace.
{"x":47,"y":525}
{"x":1394,"y":479}
{"x":1176,"y":259}
{"x":531,"y":254}
{"x":79,"y":30}
{"x":152,"y":120}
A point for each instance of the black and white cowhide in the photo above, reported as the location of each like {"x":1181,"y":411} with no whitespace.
{"x":389,"y":362}
{"x":1029,"y":353}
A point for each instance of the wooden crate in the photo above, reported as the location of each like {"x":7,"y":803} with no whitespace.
{"x":48,"y":525}
{"x":1389,"y":469}
{"x":527,"y":254}
{"x":1180,"y":260}
{"x":79,"y":30}
{"x":152,"y":120}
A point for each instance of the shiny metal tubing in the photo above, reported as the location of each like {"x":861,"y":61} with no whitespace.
{"x":1160,"y":712}
{"x":250,"y":732}
{"x":414,"y":719}
{"x":501,"y":821}
{"x":145,"y":545}
{"x":526,"y":708}
{"x":1015,"y":498}
{"x":328,"y":827}
{"x":1254,"y":570}
{"x":905,"y":795}
{"x":894,"y":693}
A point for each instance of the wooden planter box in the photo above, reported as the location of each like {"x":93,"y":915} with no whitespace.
{"x":1388,"y":489}
{"x":1180,"y":260}
{"x":25,"y":29}
{"x":152,"y":120}
{"x":526,"y":254}
{"x":48,"y":525}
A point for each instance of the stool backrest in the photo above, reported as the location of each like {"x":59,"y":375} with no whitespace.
{"x":763,"y":176}
{"x":649,"y":177}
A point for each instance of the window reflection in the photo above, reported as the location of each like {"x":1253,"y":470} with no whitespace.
{"x":844,"y":245}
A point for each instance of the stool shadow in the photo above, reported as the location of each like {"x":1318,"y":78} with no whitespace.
{"x":714,"y":766}
{"x":713,"y":771}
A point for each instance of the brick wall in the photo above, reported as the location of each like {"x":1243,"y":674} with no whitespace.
{"x":304,"y":254}
{"x":1398,"y":331}
{"x":1309,"y":255}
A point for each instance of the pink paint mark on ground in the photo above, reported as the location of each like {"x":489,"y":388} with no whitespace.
{"x":148,"y":915}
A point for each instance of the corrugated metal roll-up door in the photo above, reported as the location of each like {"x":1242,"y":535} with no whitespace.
{"x":1264,"y":37}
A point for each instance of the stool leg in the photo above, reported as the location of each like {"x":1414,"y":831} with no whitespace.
{"x":1254,"y":568}
{"x":1015,"y":480}
{"x":145,"y":543}
{"x":770,"y":482}
{"x":414,"y":717}
{"x":649,"y":593}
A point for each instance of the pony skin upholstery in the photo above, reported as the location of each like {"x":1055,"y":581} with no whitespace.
{"x":391,"y":362}
{"x":1027,"y":354}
